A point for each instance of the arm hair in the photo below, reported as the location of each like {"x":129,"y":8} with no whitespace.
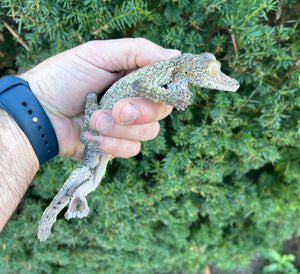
{"x":18,"y":165}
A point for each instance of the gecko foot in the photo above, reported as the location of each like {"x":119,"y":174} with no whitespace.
{"x":78,"y":208}
{"x":90,"y":106}
{"x":179,"y":94}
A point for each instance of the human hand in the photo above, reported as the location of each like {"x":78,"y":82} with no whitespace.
{"x":62,"y":82}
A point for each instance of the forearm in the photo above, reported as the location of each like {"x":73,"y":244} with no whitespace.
{"x":18,"y":165}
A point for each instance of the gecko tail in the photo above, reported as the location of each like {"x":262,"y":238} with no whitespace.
{"x":49,"y":218}
{"x":61,"y":200}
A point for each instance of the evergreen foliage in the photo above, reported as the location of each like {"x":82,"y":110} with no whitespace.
{"x":280,"y":263}
{"x":219,"y":184}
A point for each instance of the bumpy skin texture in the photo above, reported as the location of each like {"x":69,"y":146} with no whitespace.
{"x":166,"y":82}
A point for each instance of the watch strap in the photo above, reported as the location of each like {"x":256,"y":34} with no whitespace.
{"x":17,"y":99}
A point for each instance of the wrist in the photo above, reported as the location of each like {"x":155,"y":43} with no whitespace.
{"x":19,"y":164}
{"x":66,"y":128}
{"x":15,"y":142}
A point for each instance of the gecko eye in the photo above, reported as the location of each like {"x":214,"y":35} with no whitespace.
{"x":213,"y":68}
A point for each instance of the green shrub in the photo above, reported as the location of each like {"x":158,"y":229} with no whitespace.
{"x":281,"y":264}
{"x":219,"y":184}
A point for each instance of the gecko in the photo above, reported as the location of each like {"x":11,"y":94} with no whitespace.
{"x":165,"y":81}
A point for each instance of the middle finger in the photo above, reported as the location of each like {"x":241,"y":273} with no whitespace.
{"x":103,"y":122}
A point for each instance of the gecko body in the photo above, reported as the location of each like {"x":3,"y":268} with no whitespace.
{"x":165,"y":82}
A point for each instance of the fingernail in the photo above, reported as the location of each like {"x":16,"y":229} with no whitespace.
{"x":104,"y":122}
{"x":170,"y":52}
{"x":128,"y":114}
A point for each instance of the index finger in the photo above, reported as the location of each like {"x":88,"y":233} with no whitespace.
{"x":139,"y":110}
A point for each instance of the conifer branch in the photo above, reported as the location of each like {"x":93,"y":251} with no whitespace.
{"x":234,"y":45}
{"x":14,"y":34}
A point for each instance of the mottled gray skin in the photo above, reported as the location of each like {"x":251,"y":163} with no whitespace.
{"x":166,"y":82}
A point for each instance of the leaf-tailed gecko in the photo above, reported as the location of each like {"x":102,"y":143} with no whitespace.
{"x":164,"y":81}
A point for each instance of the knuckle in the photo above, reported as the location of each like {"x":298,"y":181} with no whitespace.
{"x":112,"y":145}
{"x":128,"y":149}
{"x":164,"y":110}
{"x":140,"y":41}
{"x":157,"y":128}
{"x":91,"y":44}
{"x":135,"y":149}
{"x":148,"y":132}
{"x":120,"y":148}
{"x":154,"y":131}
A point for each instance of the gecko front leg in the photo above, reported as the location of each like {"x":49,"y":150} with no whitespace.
{"x":175,"y":93}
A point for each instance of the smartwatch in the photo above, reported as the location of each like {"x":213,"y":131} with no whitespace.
{"x":17,"y":99}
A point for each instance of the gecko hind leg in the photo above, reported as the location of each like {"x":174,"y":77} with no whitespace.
{"x":78,"y":206}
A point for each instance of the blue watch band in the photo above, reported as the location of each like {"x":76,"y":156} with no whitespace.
{"x":17,"y":99}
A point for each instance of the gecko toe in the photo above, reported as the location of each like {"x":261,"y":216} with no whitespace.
{"x":78,"y":208}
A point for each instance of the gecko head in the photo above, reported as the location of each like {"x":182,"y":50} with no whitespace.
{"x":204,"y":70}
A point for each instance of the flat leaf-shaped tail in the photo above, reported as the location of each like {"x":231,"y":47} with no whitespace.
{"x":63,"y":197}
